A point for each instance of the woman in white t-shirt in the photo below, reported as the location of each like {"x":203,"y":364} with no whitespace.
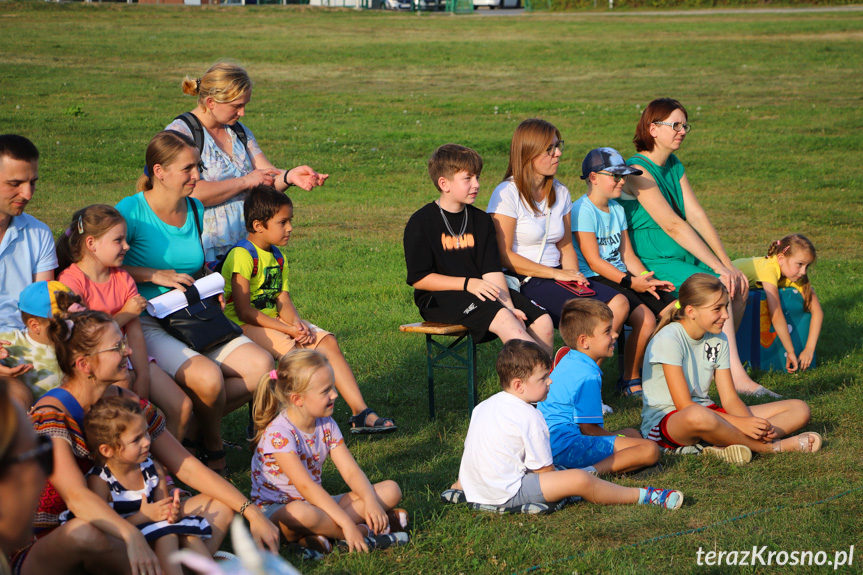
{"x":545,"y":263}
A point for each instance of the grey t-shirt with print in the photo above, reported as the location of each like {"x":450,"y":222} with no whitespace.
{"x":699,"y":358}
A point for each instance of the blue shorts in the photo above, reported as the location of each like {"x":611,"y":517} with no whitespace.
{"x":586,"y":450}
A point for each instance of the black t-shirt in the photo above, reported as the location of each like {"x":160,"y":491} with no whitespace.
{"x":430,"y":248}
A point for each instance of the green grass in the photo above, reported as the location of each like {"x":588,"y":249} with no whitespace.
{"x":775,"y":104}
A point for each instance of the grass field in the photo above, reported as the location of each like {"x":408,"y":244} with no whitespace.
{"x":776,"y":147}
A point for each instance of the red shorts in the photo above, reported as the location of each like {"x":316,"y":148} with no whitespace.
{"x":659,"y":432}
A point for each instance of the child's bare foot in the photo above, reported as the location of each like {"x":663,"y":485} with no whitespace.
{"x":808,"y":442}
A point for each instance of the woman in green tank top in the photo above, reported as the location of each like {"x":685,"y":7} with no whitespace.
{"x":670,"y":231}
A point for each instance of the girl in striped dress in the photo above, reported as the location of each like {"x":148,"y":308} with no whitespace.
{"x":134,"y":485}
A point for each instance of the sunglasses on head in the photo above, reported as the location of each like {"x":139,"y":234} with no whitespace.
{"x":43,"y":453}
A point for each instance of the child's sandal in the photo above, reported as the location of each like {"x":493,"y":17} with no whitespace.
{"x":358,"y":423}
{"x":804,"y":445}
{"x":624,"y":386}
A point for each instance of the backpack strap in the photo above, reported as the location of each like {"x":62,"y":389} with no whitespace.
{"x":194,"y":124}
{"x":249,"y":247}
{"x":197,"y":129}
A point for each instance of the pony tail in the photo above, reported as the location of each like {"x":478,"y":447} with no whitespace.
{"x":773,"y":248}
{"x":266,"y":406}
{"x":191,"y":86}
{"x":144,"y":183}
{"x":64,"y":252}
{"x":675,"y":314}
{"x":59,"y":330}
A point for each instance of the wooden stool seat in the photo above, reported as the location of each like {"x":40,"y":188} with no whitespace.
{"x":461,"y":354}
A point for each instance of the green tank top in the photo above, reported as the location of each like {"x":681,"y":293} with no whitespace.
{"x":668,"y":179}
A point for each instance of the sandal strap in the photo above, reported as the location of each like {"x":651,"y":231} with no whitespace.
{"x":359,"y":420}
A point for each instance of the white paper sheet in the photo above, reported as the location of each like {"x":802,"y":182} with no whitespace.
{"x":175,"y":300}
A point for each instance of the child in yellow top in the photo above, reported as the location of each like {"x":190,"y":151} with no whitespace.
{"x":787,"y":265}
{"x":257,"y":296}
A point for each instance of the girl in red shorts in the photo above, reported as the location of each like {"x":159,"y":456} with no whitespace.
{"x":688,"y":352}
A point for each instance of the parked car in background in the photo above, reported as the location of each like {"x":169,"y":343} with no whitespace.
{"x":492,"y":4}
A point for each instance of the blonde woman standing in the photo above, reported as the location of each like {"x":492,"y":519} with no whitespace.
{"x":228,"y":165}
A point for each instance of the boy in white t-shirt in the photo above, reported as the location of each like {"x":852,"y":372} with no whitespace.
{"x":507,"y":457}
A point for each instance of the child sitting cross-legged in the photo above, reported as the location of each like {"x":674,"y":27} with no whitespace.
{"x":573,"y":408}
{"x":453,"y":262}
{"x":294,"y":434}
{"x":689,"y":351}
{"x":135,"y":485}
{"x":507,"y":458}
{"x":258,"y":299}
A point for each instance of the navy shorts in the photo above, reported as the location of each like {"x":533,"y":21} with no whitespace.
{"x":551,"y":295}
{"x":636,"y":299}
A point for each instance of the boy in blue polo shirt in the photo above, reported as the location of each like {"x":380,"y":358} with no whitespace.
{"x":573,"y":408}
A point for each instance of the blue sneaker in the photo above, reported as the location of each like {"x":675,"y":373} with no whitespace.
{"x":667,"y":498}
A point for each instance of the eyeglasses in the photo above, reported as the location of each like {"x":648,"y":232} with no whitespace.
{"x":677,"y":126}
{"x":617,"y":177}
{"x":43,"y":453}
{"x":119,"y":348}
{"x":557,"y":145}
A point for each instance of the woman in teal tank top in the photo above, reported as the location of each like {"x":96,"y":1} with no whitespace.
{"x":670,"y":231}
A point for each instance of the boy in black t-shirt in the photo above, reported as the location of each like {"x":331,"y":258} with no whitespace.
{"x":453,"y":263}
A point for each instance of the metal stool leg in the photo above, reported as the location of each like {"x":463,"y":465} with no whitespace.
{"x":471,"y":372}
{"x":430,"y":361}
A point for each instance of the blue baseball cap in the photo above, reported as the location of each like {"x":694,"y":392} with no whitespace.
{"x":39,"y":298}
{"x":606,"y":160}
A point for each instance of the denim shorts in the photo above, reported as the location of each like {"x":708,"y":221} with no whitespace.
{"x":269,"y":509}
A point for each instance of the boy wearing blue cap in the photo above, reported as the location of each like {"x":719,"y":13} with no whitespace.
{"x":29,"y":352}
{"x":605,"y":255}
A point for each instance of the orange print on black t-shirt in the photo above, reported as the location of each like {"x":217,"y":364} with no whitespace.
{"x":450,"y":243}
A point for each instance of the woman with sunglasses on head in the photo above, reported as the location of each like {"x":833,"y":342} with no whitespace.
{"x":25,"y":462}
{"x":92,"y":354}
{"x":669,"y":229}
{"x":531,"y":214}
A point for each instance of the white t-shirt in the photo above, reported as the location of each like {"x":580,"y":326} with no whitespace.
{"x":699,"y":359}
{"x":608,"y":227}
{"x":530,"y":226}
{"x":506,"y":438}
